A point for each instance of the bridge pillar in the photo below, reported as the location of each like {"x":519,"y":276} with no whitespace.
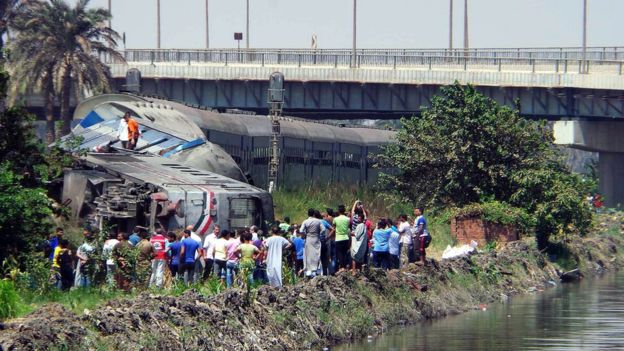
{"x":611,"y":177}
{"x":606,"y":138}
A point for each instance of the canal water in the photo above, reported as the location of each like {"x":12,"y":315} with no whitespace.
{"x":583,"y":316}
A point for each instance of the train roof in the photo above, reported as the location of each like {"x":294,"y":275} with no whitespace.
{"x":244,"y":124}
{"x":254,"y":125}
{"x":162,"y":172}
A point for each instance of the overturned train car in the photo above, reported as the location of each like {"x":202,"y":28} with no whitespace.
{"x":125,"y":190}
{"x":173,"y":179}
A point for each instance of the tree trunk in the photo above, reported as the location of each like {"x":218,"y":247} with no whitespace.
{"x":49,"y":111}
{"x":65,"y":95}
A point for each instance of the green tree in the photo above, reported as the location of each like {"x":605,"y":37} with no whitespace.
{"x":57,"y":51}
{"x":467,"y":149}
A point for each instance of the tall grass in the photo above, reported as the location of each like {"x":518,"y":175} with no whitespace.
{"x":295,"y":204}
{"x":10,"y":303}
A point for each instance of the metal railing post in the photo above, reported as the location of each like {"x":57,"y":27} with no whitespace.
{"x":395,"y":60}
{"x":580,"y":66}
{"x":263,"y":59}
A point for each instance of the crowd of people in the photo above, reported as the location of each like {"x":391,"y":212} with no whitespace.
{"x":324,"y":244}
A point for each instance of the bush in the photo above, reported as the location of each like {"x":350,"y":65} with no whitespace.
{"x":466,"y":149}
{"x":24,"y":214}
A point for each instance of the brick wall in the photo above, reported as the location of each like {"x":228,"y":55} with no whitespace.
{"x":467,"y":229}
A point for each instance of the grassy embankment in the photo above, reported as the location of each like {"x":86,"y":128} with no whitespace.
{"x":325,"y":310}
{"x":338,"y":308}
{"x":293,"y":204}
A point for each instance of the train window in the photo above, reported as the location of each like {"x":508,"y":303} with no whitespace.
{"x":243,"y":213}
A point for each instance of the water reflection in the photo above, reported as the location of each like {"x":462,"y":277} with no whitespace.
{"x":585,"y":316}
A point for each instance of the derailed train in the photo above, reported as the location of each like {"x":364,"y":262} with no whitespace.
{"x":174,"y":178}
{"x":310,"y":151}
{"x":181,"y":140}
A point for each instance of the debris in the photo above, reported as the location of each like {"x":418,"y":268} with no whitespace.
{"x":459,"y":251}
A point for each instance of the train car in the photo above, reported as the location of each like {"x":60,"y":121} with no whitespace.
{"x":310,"y":152}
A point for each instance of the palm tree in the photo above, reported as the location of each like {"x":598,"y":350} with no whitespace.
{"x":57,"y":50}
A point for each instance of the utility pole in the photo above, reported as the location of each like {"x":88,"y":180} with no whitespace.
{"x":247,"y":31}
{"x":466,"y":44}
{"x":585,"y":68}
{"x":207,"y":28}
{"x":110,"y":13}
{"x":450,"y":25}
{"x":158,"y":24}
{"x":276,"y":103}
{"x":354,"y":53}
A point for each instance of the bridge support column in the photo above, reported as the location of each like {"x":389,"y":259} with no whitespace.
{"x":611,"y":178}
{"x":604,"y":137}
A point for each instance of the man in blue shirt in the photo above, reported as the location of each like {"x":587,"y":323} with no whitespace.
{"x":381,"y":235}
{"x":393,"y":247}
{"x":174,"y":248}
{"x":299,"y":244}
{"x":54,"y":242}
{"x":421,"y":234}
{"x":189,"y":248}
{"x":135,"y":237}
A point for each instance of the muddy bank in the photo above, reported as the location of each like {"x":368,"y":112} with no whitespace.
{"x":309,"y":315}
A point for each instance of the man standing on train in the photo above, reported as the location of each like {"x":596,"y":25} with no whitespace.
{"x":133,"y":131}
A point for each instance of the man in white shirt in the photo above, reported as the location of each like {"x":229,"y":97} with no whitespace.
{"x":406,"y":244}
{"x":254,"y":232}
{"x":122,"y":133}
{"x":209,"y":245}
{"x":107,"y":250}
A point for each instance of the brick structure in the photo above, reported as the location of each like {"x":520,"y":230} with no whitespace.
{"x":467,"y":229}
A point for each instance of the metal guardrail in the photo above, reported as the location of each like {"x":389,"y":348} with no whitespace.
{"x":479,"y":59}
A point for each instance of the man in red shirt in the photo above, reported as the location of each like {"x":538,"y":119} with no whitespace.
{"x":133,"y":131}
{"x":160,"y":258}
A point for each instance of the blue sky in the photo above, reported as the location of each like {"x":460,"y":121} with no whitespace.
{"x":381,"y":23}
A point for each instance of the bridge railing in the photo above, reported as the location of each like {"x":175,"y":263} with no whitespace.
{"x":547,"y":60}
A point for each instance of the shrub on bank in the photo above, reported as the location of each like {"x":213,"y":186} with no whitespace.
{"x":466,"y":149}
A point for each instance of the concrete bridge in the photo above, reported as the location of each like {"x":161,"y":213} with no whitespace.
{"x":553,"y":83}
{"x":583,"y":91}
